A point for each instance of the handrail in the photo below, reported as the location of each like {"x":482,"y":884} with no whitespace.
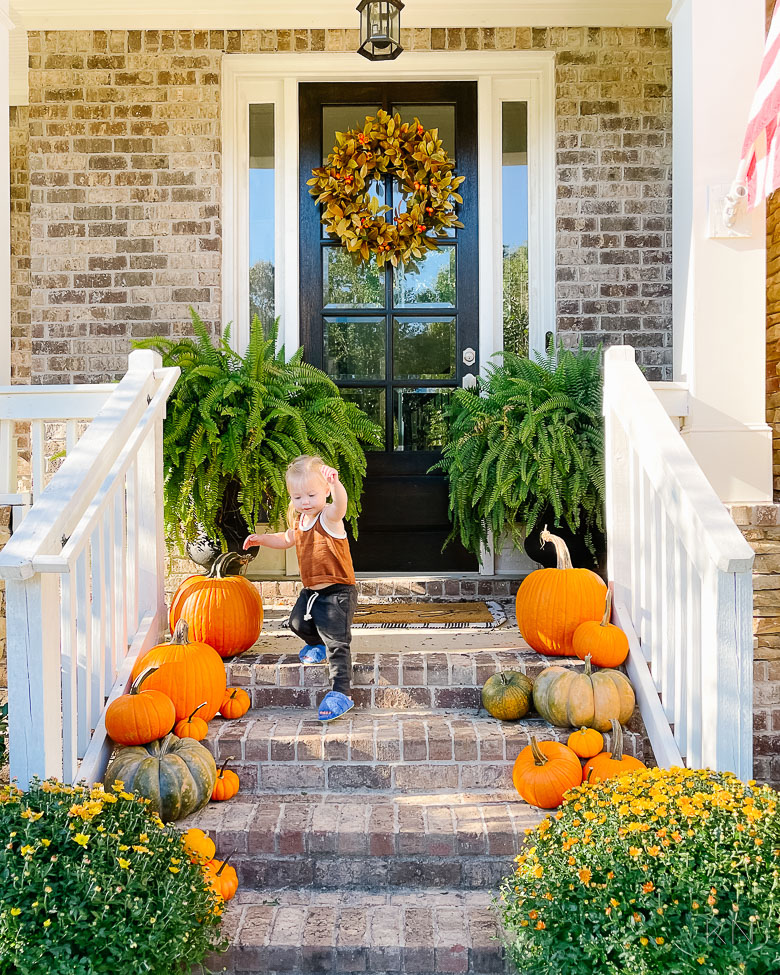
{"x":682,"y":576}
{"x":85,"y":579}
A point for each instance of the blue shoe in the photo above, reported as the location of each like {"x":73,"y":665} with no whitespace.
{"x":313,"y":654}
{"x":333,"y":705}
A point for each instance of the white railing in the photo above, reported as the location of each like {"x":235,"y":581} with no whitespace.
{"x":682,"y":577}
{"x":85,"y":578}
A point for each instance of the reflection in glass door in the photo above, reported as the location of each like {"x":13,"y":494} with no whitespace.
{"x":393,"y":339}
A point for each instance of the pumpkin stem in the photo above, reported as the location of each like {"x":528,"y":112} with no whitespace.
{"x":228,"y":564}
{"x":561,"y":551}
{"x":196,"y":710}
{"x":617,"y":741}
{"x":140,"y":679}
{"x":180,"y":635}
{"x":588,"y":668}
{"x":224,"y":863}
{"x":539,"y":757}
{"x":230,"y":758}
{"x":504,"y":677}
{"x":607,"y":609}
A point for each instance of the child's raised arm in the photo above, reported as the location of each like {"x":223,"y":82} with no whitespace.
{"x":336,"y":510}
{"x":273,"y":540}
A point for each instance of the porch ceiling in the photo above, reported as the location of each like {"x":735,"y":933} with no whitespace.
{"x":270,"y":14}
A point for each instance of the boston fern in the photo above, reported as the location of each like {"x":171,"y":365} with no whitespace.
{"x":529,"y":439}
{"x":235,"y":422}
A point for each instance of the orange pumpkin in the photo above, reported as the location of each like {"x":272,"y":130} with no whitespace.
{"x":227,"y":783}
{"x":222,"y":878}
{"x":609,"y":764}
{"x":200,"y":678}
{"x":552,"y":603}
{"x":606,"y":643}
{"x":140,"y":716}
{"x":222,"y":608}
{"x":198,"y":846}
{"x":193,"y":726}
{"x":586,"y":742}
{"x":235,"y":703}
{"x":544,"y":771}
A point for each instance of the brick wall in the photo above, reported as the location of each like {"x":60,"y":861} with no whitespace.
{"x":124,"y":160}
{"x":773,"y":330}
{"x":21,"y":344}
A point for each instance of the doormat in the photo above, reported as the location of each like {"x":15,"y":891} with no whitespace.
{"x":478,"y":615}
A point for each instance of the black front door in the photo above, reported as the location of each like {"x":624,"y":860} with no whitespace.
{"x":396,"y":341}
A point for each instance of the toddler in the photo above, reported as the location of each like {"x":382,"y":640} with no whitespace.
{"x":322,"y":616}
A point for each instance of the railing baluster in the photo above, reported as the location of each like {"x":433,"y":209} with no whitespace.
{"x":83,"y":653}
{"x":667,"y":634}
{"x":37,"y":461}
{"x":693,"y":689}
{"x":681,"y":648}
{"x":68,"y":653}
{"x":71,"y":435}
{"x":98,"y":608}
{"x":120,"y":576}
{"x":132,"y":546}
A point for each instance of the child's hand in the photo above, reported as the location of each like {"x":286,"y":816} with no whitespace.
{"x":330,"y":474}
{"x":251,"y":541}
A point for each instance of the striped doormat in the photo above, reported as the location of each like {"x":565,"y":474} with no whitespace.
{"x":479,"y":615}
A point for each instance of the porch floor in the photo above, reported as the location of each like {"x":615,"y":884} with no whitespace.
{"x":375,"y":843}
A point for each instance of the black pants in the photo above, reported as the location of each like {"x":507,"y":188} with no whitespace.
{"x":331,"y":623}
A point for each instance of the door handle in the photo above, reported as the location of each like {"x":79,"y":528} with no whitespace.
{"x":469,"y":380}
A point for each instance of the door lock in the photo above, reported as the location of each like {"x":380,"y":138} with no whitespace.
{"x":469,"y":357}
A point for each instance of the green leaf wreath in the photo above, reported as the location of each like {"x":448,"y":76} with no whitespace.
{"x":236,"y":419}
{"x":415,"y":157}
{"x":529,"y":437}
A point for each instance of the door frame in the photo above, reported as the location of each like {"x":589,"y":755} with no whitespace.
{"x":500,"y":76}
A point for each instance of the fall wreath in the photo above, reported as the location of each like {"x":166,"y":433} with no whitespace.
{"x":414,"y":156}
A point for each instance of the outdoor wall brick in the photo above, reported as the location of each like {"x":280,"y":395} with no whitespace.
{"x":123,"y":141}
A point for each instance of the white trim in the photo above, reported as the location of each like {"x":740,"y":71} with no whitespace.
{"x":500,"y":76}
{"x":268,"y":14}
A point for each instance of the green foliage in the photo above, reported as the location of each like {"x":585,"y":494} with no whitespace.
{"x":91,"y":883}
{"x":656,"y":872}
{"x":242,"y":419}
{"x":515,"y":274}
{"x":530,"y":436}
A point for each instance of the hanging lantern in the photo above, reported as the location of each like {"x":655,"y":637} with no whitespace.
{"x":380,"y":29}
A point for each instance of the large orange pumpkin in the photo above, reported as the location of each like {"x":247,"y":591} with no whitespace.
{"x":223,"y":608}
{"x":606,"y":643}
{"x":544,"y":771}
{"x":609,"y":764}
{"x":552,"y":603}
{"x":140,"y":716}
{"x":198,"y":674}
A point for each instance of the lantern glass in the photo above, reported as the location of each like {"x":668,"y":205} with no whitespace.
{"x":380,"y":29}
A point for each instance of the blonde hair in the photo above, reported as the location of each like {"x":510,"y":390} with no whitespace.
{"x":302,"y":469}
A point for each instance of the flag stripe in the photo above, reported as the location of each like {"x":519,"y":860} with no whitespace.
{"x":760,"y":162}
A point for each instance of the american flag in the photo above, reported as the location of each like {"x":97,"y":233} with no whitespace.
{"x":759,"y":168}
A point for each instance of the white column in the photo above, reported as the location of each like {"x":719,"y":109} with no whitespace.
{"x":5,"y":199}
{"x":719,"y":283}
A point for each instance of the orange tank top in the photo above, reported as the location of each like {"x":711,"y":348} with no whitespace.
{"x":323,"y":558}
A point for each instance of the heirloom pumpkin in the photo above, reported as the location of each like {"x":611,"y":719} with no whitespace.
{"x":552,"y":603}
{"x":507,"y":696}
{"x":235,"y":703}
{"x":609,"y":764}
{"x":571,"y":699}
{"x":544,"y":771}
{"x":222,"y":878}
{"x":586,"y":742}
{"x":201,"y":676}
{"x":198,"y":846}
{"x":223,"y":608}
{"x":176,"y":775}
{"x":140,"y":716}
{"x":606,"y":643}
{"x":227,"y":784}
{"x":192,"y":727}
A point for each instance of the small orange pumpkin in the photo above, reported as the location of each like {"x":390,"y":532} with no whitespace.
{"x":606,"y":643}
{"x":586,"y":742}
{"x":140,"y":716}
{"x":222,"y":878}
{"x":235,"y":703}
{"x":552,"y":603}
{"x":544,"y":771}
{"x":222,"y":607}
{"x":198,"y":846}
{"x":192,"y":727}
{"x":609,"y":764}
{"x":227,"y":783}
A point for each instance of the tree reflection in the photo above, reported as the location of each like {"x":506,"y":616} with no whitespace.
{"x":516,"y":300}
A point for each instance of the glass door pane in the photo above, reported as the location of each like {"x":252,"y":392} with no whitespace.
{"x":261,"y":214}
{"x":514,"y":190}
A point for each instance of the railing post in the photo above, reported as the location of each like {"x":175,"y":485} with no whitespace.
{"x":34,"y":682}
{"x":616,"y":476}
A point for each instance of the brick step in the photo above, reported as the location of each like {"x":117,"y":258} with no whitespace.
{"x":408,"y":752}
{"x":334,"y":933}
{"x":394,"y":680}
{"x":361,"y":841}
